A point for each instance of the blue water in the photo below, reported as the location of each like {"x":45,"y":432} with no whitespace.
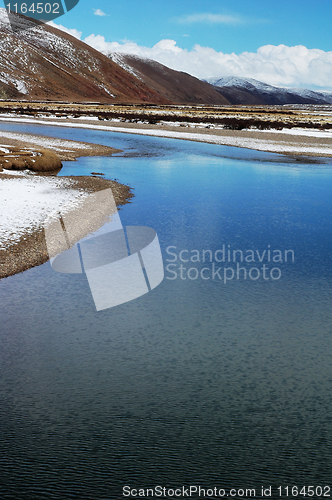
{"x":199,"y":382}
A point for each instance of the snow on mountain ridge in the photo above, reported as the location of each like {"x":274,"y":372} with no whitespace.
{"x":257,"y":87}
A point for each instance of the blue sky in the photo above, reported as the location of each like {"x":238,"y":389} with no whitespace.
{"x":256,"y":22}
{"x":227,"y":27}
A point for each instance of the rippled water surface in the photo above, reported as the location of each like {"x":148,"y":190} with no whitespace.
{"x":198,"y":382}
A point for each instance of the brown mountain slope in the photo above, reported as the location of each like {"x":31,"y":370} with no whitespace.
{"x":175,"y":86}
{"x":41,"y":62}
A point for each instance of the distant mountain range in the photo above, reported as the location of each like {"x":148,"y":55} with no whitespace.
{"x":39,"y":62}
{"x":248,"y":91}
{"x":175,"y":86}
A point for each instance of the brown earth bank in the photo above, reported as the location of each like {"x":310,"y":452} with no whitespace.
{"x":30,"y":251}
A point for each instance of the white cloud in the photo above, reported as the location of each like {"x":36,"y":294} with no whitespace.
{"x":71,"y":31}
{"x":276,"y":65}
{"x":99,"y":12}
{"x":207,"y":17}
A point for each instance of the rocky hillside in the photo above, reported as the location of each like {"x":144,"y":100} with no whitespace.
{"x":175,"y":86}
{"x":41,"y":62}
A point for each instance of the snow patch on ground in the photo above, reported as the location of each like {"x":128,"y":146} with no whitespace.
{"x":19,"y":173}
{"x":261,"y":144}
{"x":302,"y":132}
{"x":26,"y":202}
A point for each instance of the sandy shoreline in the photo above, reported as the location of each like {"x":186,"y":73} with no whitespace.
{"x":29,"y":249}
{"x":295,"y":141}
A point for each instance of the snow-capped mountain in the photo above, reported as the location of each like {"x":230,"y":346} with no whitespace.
{"x":175,"y":86}
{"x":41,"y":62}
{"x":249,"y":91}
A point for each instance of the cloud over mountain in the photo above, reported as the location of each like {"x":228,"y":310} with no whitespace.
{"x":276,"y":65}
{"x":99,"y":12}
{"x":295,"y":66}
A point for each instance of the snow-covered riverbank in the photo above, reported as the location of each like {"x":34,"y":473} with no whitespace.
{"x":295,"y":141}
